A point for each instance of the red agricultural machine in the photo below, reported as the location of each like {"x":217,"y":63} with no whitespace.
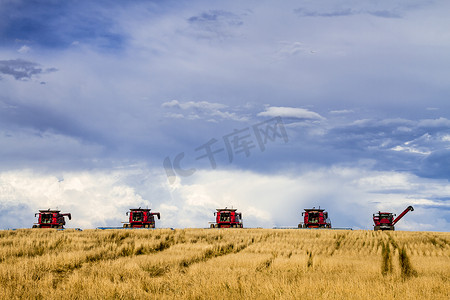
{"x":315,"y":218}
{"x":227,"y":218}
{"x":141,"y":218}
{"x":51,"y":219}
{"x":384,"y":220}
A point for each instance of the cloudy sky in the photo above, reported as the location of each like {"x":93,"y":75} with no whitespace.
{"x":187,"y":106}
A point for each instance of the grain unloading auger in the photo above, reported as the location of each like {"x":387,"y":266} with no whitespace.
{"x":386,"y":221}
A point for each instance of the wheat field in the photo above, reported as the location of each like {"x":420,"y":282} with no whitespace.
{"x":223,"y":264}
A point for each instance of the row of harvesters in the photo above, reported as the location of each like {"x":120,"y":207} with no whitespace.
{"x":312,"y":218}
{"x":138,"y":218}
{"x":225,"y":218}
{"x":318,"y":218}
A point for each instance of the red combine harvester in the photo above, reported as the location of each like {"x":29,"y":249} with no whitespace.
{"x":227,"y":218}
{"x":51,"y":219}
{"x":141,"y":218}
{"x":384,"y":220}
{"x":315,"y":218}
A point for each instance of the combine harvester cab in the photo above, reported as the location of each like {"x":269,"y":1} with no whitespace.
{"x":385,"y":220}
{"x":227,"y":218}
{"x":141,"y":218}
{"x":51,"y":219}
{"x":315,"y":218}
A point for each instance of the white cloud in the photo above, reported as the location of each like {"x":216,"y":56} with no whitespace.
{"x":290,"y":112}
{"x":174,"y":115}
{"x":403,"y":129}
{"x":95,"y":198}
{"x":192,"y":110}
{"x":441,"y":122}
{"x":166,"y":207}
{"x":410,"y":149}
{"x":24,"y":49}
{"x":35,"y":145}
{"x":289,"y":49}
{"x":350,"y":195}
{"x":192,"y":104}
{"x":99,"y":198}
{"x":342,"y":111}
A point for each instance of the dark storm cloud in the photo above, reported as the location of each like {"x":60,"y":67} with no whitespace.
{"x":39,"y":118}
{"x":384,"y":14}
{"x":346,"y":12}
{"x":388,"y":9}
{"x":307,"y":13}
{"x":215,"y":24}
{"x":365,"y":134}
{"x":386,"y":134}
{"x":21,"y":69}
{"x":13,"y":214}
{"x":415,"y":146}
{"x":58,"y":24}
{"x":215,"y":17}
{"x":37,"y":134}
{"x":436,"y":165}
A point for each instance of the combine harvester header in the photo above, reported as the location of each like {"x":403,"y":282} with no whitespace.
{"x":51,"y":218}
{"x":227,"y":218}
{"x":141,"y":218}
{"x":314,"y":218}
{"x":138,"y":218}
